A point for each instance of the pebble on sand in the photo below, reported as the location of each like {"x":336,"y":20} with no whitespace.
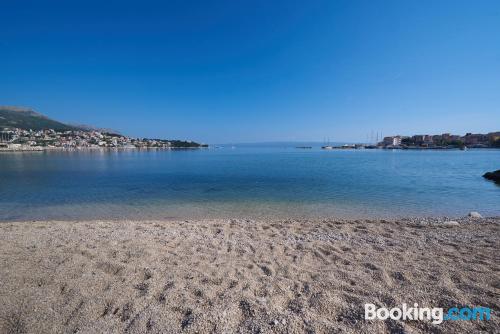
{"x":451,"y":223}
{"x":475,"y":214}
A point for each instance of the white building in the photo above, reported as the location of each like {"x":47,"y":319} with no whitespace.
{"x":392,"y":141}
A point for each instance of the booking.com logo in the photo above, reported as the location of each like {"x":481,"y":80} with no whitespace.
{"x":435,"y":314}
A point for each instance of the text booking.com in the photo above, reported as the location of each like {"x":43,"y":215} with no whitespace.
{"x":436,"y":314}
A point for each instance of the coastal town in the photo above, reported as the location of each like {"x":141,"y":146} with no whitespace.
{"x":445,"y":140}
{"x":16,"y":139}
{"x":442,"y":141}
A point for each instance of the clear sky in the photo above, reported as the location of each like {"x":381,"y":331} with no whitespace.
{"x":246,"y":71}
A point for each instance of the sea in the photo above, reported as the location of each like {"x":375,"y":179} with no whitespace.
{"x":251,"y":181}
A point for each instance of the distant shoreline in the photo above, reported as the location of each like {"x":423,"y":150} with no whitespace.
{"x":41,"y":149}
{"x":413,"y":148}
{"x":335,"y":148}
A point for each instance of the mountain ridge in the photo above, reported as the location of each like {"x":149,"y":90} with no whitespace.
{"x":26,"y":118}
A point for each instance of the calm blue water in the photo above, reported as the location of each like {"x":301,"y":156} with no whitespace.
{"x":246,"y":181}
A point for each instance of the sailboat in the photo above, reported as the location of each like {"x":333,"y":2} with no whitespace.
{"x":328,"y":146}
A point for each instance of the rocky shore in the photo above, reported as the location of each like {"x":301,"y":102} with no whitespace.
{"x":244,"y":276}
{"x":493,"y":176}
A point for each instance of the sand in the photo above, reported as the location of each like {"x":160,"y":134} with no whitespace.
{"x":242,"y":276}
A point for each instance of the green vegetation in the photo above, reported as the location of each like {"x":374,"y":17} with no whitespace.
{"x":410,"y":141}
{"x":20,"y":121}
{"x":407,"y":141}
{"x":26,"y":119}
{"x":183,"y":143}
{"x":175,"y":143}
{"x":495,"y":142}
{"x":457,"y":143}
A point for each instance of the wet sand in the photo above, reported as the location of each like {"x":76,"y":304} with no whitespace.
{"x":244,"y":276}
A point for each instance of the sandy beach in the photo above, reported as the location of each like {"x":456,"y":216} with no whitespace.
{"x":244,"y":276}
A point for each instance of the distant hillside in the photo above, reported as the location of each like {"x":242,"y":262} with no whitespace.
{"x":25,"y":118}
{"x":86,"y":127}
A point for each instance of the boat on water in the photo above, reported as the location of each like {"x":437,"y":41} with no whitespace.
{"x":327,"y":147}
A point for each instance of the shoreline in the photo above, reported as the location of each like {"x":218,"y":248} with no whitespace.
{"x":236,"y":275}
{"x":41,"y":148}
{"x":423,"y":220}
{"x":270,"y":218}
{"x":334,"y":148}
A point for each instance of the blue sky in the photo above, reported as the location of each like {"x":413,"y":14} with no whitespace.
{"x":246,"y":71}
